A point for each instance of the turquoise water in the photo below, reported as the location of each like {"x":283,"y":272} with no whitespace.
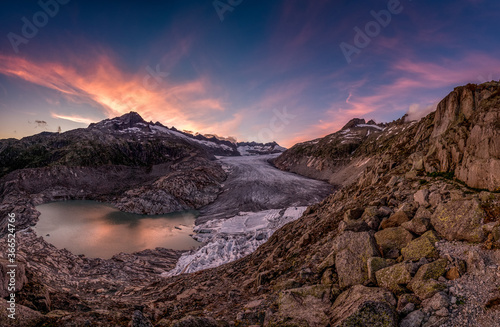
{"x":99,"y":230}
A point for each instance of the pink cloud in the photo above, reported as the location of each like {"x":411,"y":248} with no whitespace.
{"x":101,"y":83}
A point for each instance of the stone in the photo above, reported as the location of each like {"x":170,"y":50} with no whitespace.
{"x":422,"y":247}
{"x":364,"y":306}
{"x":406,"y":299}
{"x":395,"y":220}
{"x":392,"y":240}
{"x":432,"y":270}
{"x":422,"y":213}
{"x":351,"y":269}
{"x":435,"y":198}
{"x":328,"y":262}
{"x":394,"y":277}
{"x":475,"y":263}
{"x":353,"y":214}
{"x":371,"y":216}
{"x":328,"y":277}
{"x":384,"y":211}
{"x":437,"y":301}
{"x":414,"y":319}
{"x":424,"y":283}
{"x":352,"y":253}
{"x":421,"y":197}
{"x":353,"y":225}
{"x":424,"y":289}
{"x":376,"y":263}
{"x":417,"y":225}
{"x":452,"y":273}
{"x":251,"y":317}
{"x":443,"y":312}
{"x":306,"y":304}
{"x":409,"y":208}
{"x":459,"y":221}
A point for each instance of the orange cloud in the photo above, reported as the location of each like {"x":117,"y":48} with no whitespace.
{"x":101,"y":83}
{"x":76,"y":119}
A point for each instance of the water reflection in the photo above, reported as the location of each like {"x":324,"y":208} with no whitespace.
{"x":100,"y":230}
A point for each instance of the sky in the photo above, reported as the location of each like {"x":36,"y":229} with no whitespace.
{"x":282,"y":70}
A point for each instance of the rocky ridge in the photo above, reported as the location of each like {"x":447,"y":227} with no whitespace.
{"x":412,"y":239}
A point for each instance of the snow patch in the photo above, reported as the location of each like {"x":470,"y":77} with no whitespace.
{"x":374,"y":126}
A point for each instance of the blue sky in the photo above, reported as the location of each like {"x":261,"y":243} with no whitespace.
{"x":269,"y":70}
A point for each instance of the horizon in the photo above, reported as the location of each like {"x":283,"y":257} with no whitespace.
{"x":257,"y":71}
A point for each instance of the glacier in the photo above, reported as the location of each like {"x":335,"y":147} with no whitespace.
{"x":227,"y":240}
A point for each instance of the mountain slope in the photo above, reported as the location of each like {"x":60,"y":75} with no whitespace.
{"x":461,"y":138}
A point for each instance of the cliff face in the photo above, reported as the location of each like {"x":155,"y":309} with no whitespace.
{"x":466,"y":136}
{"x":461,"y":138}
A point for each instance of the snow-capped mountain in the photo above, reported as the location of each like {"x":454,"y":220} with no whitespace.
{"x":132,"y":123}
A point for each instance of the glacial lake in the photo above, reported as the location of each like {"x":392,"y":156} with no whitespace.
{"x":99,"y":230}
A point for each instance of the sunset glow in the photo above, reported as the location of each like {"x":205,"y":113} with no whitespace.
{"x":195,"y":72}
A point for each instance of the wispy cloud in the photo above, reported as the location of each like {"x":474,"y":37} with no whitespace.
{"x":101,"y":83}
{"x":76,"y":119}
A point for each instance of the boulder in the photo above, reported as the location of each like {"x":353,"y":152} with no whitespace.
{"x":424,"y":283}
{"x":353,"y":214}
{"x":414,"y":319}
{"x":392,"y":240}
{"x":353,"y":225}
{"x":376,"y":263}
{"x":305,"y":306}
{"x":422,"y":247}
{"x":352,"y":253}
{"x":405,"y":301}
{"x":394,"y":277}
{"x":364,"y":306}
{"x":459,"y":220}
{"x":417,"y":225}
{"x":395,"y":220}
{"x":422,"y":197}
{"x":371,"y":216}
{"x":437,"y":302}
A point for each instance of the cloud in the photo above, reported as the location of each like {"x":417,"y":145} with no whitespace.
{"x":41,"y":123}
{"x":76,"y":119}
{"x":418,"y":111}
{"x":102,"y":84}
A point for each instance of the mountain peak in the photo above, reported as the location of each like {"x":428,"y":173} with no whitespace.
{"x":131,"y":118}
{"x":354,"y":122}
{"x":128,"y":120}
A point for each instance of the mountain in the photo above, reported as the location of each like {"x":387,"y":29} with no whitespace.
{"x":411,"y":238}
{"x":325,"y":157}
{"x":460,"y":139}
{"x":138,"y":166}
